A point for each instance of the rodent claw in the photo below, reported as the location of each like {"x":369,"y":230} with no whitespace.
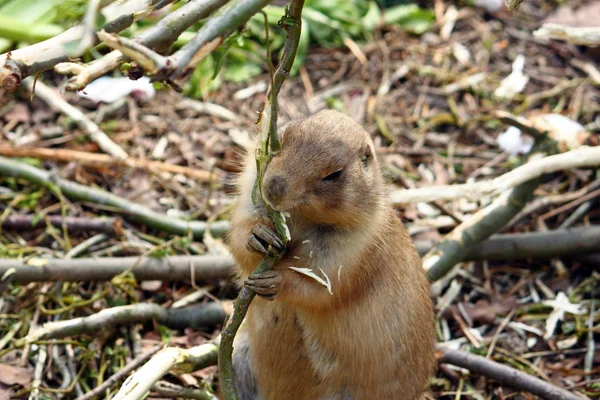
{"x":263,"y":240}
{"x":256,"y":245}
{"x":265,"y":284}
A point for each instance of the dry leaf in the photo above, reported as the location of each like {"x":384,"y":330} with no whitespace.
{"x":10,"y":375}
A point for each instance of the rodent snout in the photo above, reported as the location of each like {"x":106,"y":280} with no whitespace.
{"x":275,"y":190}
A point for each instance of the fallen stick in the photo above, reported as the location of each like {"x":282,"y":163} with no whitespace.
{"x":142,"y":381}
{"x":197,"y":317}
{"x":581,"y":243}
{"x":111,"y":226}
{"x":582,"y":157}
{"x":104,"y":160}
{"x":505,"y":375}
{"x":453,"y":248}
{"x":173,"y":268}
{"x":76,"y":191}
{"x":586,"y":36}
{"x":55,"y":101}
{"x":119,"y":376}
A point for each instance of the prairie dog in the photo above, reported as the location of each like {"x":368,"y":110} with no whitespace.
{"x":373,"y":338}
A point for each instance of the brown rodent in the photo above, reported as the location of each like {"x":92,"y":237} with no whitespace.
{"x":373,"y":338}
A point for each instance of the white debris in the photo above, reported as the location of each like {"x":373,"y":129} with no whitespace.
{"x":561,"y":305}
{"x":515,"y":82}
{"x":309,"y":272}
{"x":108,"y":89}
{"x":461,"y":53}
{"x":514,"y":142}
{"x":490,"y":5}
{"x":568,"y":133}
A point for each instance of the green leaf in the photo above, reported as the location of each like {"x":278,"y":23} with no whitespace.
{"x":241,"y":71}
{"x":17,"y":30}
{"x":410,"y":17}
{"x":372,"y":17}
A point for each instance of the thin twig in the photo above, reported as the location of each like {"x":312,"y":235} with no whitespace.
{"x":103,"y":160}
{"x":78,"y":192}
{"x":55,"y":101}
{"x":269,"y":142}
{"x":120,"y":375}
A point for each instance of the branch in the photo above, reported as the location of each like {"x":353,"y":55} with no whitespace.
{"x":104,"y":160}
{"x":76,"y":191}
{"x":159,"y":37}
{"x":172,"y":268}
{"x":170,"y":390}
{"x":188,"y":360}
{"x":586,"y":36}
{"x":56,"y":102}
{"x":269,"y":142}
{"x":198,"y":316}
{"x":453,"y":248}
{"x":533,"y":245}
{"x":210,"y":36}
{"x":111,"y":226}
{"x":87,"y":38}
{"x":512,"y":4}
{"x":42,"y":56}
{"x":581,"y":157}
{"x":505,"y":375}
{"x":136,"y":362}
{"x":541,"y":245}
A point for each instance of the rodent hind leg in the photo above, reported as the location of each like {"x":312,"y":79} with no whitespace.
{"x":246,"y":385}
{"x":263,"y":240}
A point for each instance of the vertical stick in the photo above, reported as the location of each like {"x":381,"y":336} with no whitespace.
{"x":269,"y":142}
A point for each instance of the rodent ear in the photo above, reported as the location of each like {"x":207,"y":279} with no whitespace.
{"x":367,"y":155}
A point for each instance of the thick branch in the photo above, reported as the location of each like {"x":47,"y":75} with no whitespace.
{"x":111,"y":226}
{"x":172,"y":268}
{"x":159,"y":37}
{"x":212,"y":34}
{"x":586,"y":36}
{"x":582,"y":157}
{"x":44,"y":55}
{"x":188,"y":360}
{"x":537,"y":245}
{"x":80,"y":192}
{"x":505,"y":375}
{"x":198,"y":316}
{"x":454,"y":247}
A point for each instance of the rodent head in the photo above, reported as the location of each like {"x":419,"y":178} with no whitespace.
{"x":326,"y":171}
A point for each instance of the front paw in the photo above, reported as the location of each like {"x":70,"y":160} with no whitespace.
{"x":262,"y":239}
{"x":265,"y":284}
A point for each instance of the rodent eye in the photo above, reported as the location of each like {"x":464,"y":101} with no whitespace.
{"x":333,"y":176}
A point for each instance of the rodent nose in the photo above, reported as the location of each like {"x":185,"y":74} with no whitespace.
{"x":275,"y":190}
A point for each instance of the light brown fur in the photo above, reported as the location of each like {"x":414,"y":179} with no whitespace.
{"x":373,"y":338}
